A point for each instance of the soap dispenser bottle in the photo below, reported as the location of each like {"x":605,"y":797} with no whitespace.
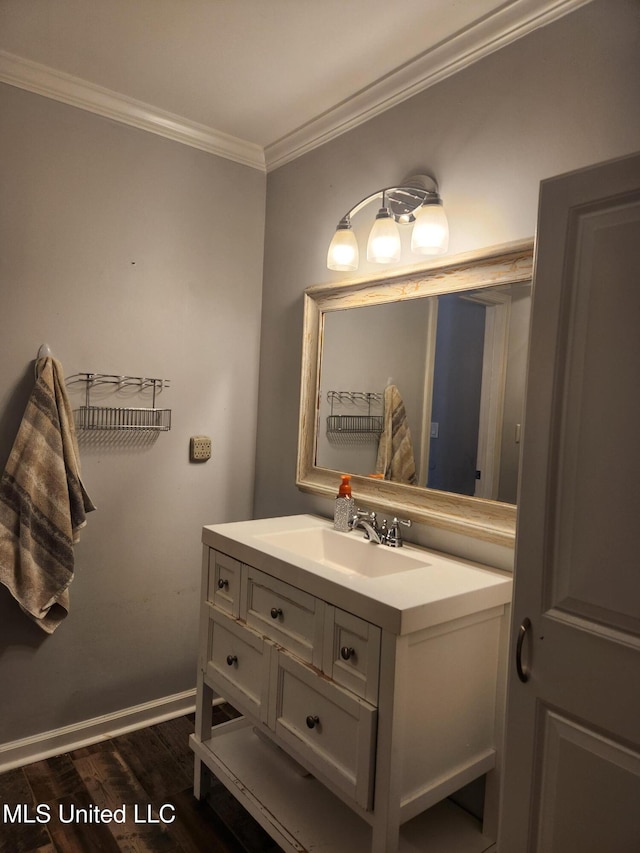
{"x":345,"y":505}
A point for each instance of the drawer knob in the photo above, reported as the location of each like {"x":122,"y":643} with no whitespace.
{"x":231,"y":659}
{"x":347,"y":652}
{"x":313,"y":721}
{"x":275,"y":612}
{"x":222,"y":583}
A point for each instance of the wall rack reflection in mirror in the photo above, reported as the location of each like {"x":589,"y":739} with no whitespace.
{"x":92,"y":417}
{"x":354,"y":424}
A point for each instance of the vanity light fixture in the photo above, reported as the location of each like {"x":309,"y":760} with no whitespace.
{"x":416,"y":202}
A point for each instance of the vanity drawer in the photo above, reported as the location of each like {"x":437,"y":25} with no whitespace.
{"x":352,"y":653}
{"x":223,"y":588}
{"x":329,"y":730}
{"x":287,"y":615}
{"x":238,"y":665}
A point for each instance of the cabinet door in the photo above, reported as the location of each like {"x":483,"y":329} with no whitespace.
{"x":223,"y":588}
{"x":572,"y":766}
{"x":327,"y":729}
{"x":352,"y":653}
{"x":238,"y":665}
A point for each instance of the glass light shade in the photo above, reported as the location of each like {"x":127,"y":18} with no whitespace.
{"x":431,"y":230}
{"x":343,"y":250}
{"x":383,"y":246}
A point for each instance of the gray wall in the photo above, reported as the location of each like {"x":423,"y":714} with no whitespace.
{"x":84,"y":198}
{"x":123,"y":251}
{"x":563,"y":97}
{"x":365,"y":349}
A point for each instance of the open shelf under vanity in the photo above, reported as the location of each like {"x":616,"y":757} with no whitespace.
{"x":301,"y":814}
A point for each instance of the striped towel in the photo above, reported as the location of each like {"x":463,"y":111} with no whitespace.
{"x":42,"y":502}
{"x":395,"y":450}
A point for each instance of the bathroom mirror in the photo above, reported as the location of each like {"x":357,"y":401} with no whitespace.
{"x":452,"y":337}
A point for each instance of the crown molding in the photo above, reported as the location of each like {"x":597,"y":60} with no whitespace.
{"x":42,"y":80}
{"x":509,"y":23}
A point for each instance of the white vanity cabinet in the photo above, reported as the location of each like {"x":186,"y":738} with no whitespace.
{"x":384,"y":709}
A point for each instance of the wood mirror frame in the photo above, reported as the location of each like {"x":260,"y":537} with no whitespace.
{"x":488,"y":520}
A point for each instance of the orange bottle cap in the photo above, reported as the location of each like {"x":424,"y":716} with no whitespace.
{"x":345,"y":486}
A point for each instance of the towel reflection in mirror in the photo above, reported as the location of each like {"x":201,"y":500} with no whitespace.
{"x":395,"y":449}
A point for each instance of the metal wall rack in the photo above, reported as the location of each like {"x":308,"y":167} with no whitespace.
{"x":354,"y":424}
{"x":90,"y":417}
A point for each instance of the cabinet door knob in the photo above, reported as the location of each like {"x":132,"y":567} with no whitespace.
{"x":275,"y":612}
{"x":347,"y":652}
{"x":313,"y":721}
{"x":231,"y":659}
{"x":222,"y":583}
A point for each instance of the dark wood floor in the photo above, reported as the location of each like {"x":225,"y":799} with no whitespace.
{"x":141,"y":771}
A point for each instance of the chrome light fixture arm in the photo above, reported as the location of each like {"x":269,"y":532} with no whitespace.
{"x":402,"y":201}
{"x":415,"y":201}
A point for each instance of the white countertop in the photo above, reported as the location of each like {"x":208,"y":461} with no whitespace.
{"x":445,"y":588}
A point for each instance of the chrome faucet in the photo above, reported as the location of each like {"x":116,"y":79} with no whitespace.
{"x":379,"y":534}
{"x":369,"y":523}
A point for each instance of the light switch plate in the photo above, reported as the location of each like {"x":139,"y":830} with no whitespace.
{"x":199,"y":448}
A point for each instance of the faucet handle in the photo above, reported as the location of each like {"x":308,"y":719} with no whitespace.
{"x":394,"y":535}
{"x":357,"y":515}
{"x":369,"y":516}
{"x":373,"y":518}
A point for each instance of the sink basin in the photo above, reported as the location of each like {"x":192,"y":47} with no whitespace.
{"x":347,"y":552}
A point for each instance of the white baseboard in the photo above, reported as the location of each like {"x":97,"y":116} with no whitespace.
{"x":27,"y":750}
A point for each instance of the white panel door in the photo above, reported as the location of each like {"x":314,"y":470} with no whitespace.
{"x":572,"y":759}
